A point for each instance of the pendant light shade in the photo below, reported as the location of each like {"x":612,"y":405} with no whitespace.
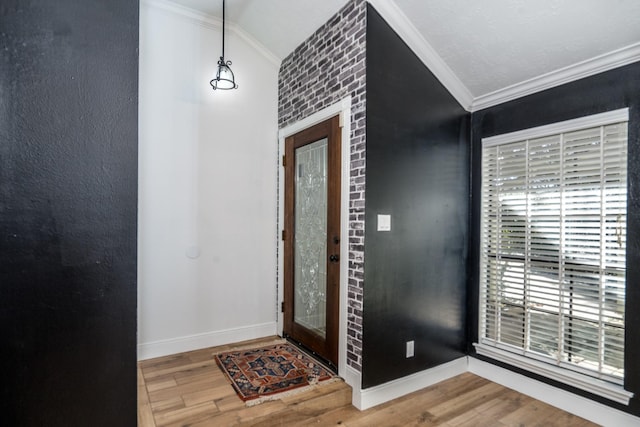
{"x":224,"y":78}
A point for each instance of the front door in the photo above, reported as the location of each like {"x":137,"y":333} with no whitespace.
{"x":312,"y":238}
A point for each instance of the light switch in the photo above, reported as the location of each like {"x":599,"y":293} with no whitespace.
{"x":384,"y":222}
{"x":410,"y":349}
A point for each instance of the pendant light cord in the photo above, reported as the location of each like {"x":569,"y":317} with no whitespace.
{"x":224,"y":78}
{"x":223,"y":1}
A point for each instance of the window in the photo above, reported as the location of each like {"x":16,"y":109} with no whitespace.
{"x":553,"y":245}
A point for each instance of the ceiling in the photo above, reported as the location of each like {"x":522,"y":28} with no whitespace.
{"x":488,"y":46}
{"x":279,"y":25}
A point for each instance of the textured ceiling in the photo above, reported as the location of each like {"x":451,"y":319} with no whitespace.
{"x":489,"y":44}
{"x":492,"y":44}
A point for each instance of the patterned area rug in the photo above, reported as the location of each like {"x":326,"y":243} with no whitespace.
{"x":267,"y":371}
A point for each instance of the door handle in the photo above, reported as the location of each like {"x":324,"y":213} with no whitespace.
{"x":334,"y":258}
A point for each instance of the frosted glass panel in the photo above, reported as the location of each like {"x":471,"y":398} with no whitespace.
{"x":310,"y":246}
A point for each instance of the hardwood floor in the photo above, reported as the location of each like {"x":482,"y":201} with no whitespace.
{"x":188,"y":389}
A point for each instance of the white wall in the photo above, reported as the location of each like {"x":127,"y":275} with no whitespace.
{"x":207,"y":185}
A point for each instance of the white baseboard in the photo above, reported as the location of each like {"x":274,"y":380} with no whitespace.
{"x":208,"y":339}
{"x":354,"y":379}
{"x":567,"y":401}
{"x":393,"y":389}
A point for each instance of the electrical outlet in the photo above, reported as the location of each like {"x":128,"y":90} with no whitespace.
{"x":410,"y":350}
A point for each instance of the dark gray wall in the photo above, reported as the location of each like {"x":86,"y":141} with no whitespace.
{"x":418,"y":172}
{"x":68,"y":196}
{"x":612,"y":90}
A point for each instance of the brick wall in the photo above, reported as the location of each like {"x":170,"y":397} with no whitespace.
{"x":327,"y":67}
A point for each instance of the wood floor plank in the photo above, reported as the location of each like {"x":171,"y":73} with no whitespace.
{"x":211,"y":372}
{"x":489,"y":412}
{"x":336,"y":417}
{"x":230,"y":402}
{"x":172,"y":370}
{"x":189,"y":389}
{"x":145,"y":413}
{"x":456,"y":406}
{"x":158,"y":363}
{"x":460,"y":384}
{"x":465,"y":418}
{"x":206,"y":395}
{"x":169,"y":404}
{"x":405,"y":410}
{"x":564,"y":420}
{"x":245,"y":416}
{"x":321,"y":394}
{"x":532,"y":413}
{"x":159,"y":385}
{"x":186,"y":415}
{"x":198,"y":384}
{"x":310,"y":405}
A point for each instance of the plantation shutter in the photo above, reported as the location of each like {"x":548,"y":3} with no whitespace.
{"x":553,"y":244}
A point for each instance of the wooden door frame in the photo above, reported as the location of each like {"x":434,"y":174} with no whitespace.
{"x":329,"y":131}
{"x":343,"y":109}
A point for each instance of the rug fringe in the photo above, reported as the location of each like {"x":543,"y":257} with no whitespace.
{"x":289,"y":393}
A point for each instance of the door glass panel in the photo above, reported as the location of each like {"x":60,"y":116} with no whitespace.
{"x":310,"y":246}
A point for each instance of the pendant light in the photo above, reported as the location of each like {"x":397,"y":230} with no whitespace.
{"x":224,"y":78}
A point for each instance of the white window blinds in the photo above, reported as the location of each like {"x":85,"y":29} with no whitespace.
{"x":553,"y":240}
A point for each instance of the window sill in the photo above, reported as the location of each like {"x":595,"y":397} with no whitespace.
{"x":592,"y":385}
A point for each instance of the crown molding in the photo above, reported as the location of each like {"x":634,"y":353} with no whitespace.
{"x":428,"y":55}
{"x":423,"y":49}
{"x":401,"y":24}
{"x":211,"y":22}
{"x":579,"y":70}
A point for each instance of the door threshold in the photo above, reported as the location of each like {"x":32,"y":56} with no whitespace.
{"x":321,"y":360}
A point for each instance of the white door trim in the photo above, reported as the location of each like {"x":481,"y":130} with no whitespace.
{"x":342,"y":108}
